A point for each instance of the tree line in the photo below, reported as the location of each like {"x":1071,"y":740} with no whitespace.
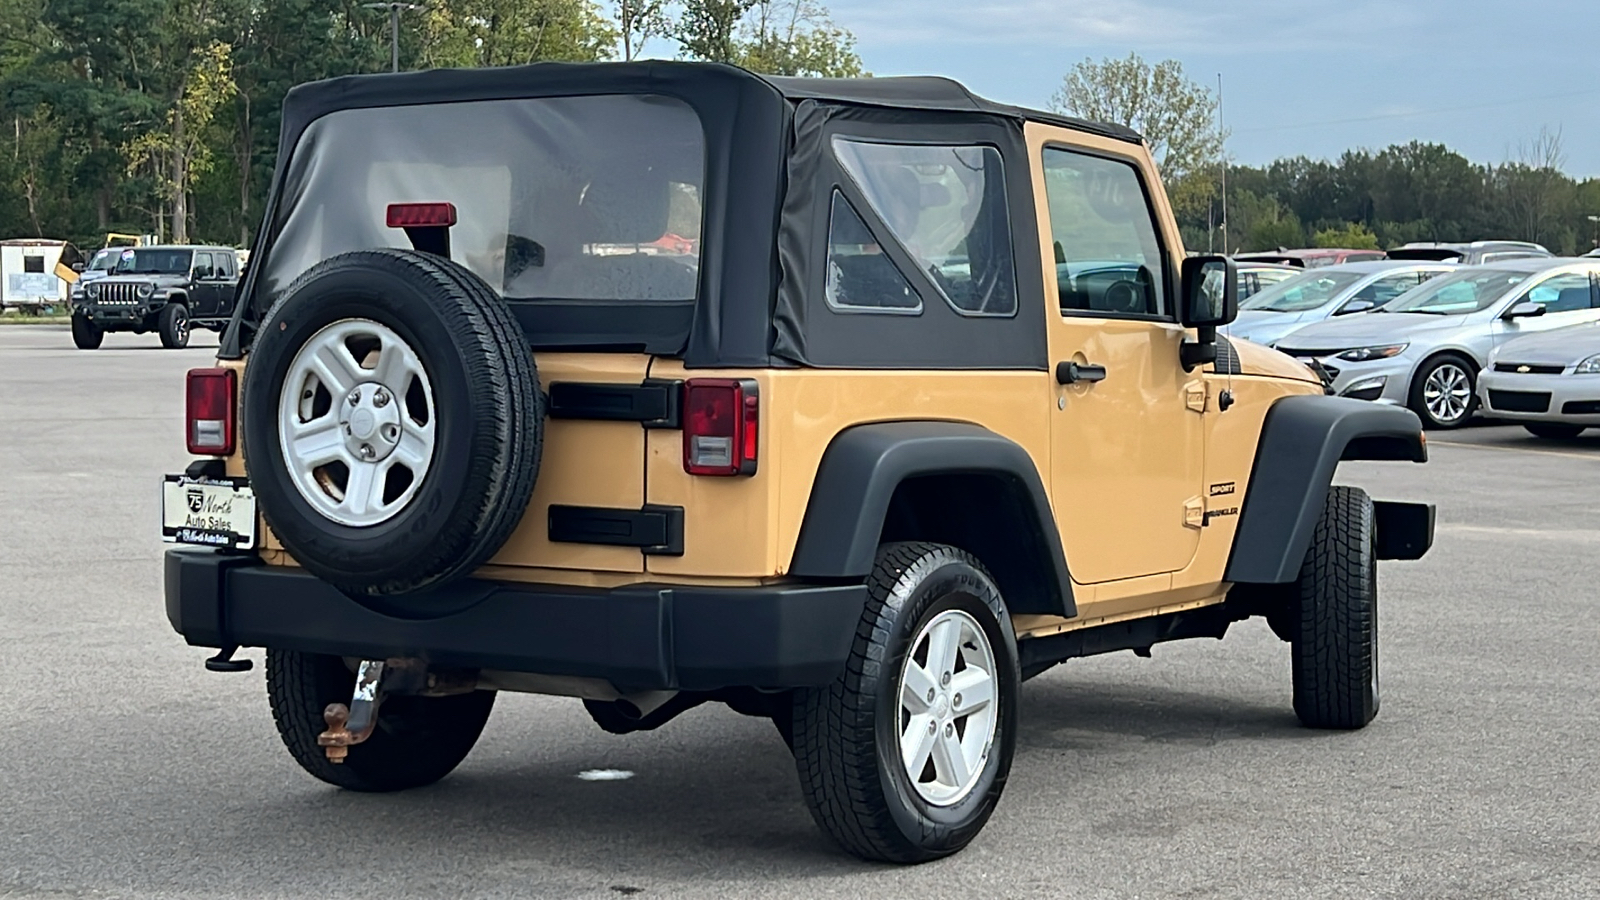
{"x":161,"y":116}
{"x":1416,"y":191}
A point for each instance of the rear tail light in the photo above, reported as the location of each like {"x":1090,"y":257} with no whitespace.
{"x":208,"y":419}
{"x":721,"y":418}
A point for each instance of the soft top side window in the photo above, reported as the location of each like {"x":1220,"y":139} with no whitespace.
{"x":1108,"y":257}
{"x":861,"y":278}
{"x":946,"y":206}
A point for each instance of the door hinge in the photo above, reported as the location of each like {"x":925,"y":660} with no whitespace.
{"x":1194,"y":512}
{"x":1194,"y":395}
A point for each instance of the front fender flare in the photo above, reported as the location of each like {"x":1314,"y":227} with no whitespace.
{"x":1302,"y":441}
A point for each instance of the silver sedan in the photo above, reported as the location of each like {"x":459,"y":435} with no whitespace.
{"x":1322,"y":293}
{"x":1550,"y":381}
{"x":1425,"y":349}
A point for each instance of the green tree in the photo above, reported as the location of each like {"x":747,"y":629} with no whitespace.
{"x":709,"y":29}
{"x":1177,"y":116}
{"x":638,"y":21}
{"x":179,"y":151}
{"x":479,"y":33}
{"x":796,"y":37}
{"x":1352,"y":236}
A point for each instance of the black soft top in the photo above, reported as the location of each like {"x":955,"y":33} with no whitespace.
{"x":757,"y":128}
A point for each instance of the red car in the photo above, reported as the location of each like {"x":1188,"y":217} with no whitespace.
{"x":1312,"y":258}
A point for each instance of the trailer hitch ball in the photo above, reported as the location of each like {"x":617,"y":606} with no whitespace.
{"x":353,"y":724}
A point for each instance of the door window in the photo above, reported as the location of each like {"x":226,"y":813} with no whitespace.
{"x":224,"y":266}
{"x":946,"y":206}
{"x":202,"y":265}
{"x":1563,"y":293}
{"x":1108,"y":258}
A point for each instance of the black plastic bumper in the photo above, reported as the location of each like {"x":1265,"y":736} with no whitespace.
{"x":641,"y":637}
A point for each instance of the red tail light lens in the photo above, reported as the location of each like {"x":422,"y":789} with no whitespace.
{"x":721,"y":422}
{"x":421,"y":215}
{"x":208,"y":420}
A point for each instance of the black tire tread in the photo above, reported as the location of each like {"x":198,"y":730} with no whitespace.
{"x":1334,"y":644}
{"x":86,"y":335}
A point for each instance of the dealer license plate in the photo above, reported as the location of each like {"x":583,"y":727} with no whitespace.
{"x":213,"y":512}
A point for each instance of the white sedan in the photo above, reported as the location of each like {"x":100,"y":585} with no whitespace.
{"x":1550,"y":382}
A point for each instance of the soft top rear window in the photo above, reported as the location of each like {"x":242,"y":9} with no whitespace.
{"x":559,"y":198}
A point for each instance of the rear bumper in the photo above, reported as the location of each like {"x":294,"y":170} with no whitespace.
{"x":641,"y":637}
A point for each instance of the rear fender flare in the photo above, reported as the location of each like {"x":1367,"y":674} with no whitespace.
{"x":863,"y":467}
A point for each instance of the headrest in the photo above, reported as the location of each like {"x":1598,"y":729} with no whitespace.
{"x":627,"y":207}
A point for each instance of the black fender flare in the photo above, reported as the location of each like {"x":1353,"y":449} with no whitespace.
{"x":1303,"y":439}
{"x":865,"y":464}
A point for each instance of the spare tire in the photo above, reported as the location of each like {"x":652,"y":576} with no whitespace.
{"x":392,"y":421}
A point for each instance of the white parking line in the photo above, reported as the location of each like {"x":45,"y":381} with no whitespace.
{"x":1592,"y":457}
{"x":1580,"y":535}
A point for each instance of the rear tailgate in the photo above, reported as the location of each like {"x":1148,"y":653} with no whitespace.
{"x":589,"y":464}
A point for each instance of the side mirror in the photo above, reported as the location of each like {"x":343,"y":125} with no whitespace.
{"x":78,"y":267}
{"x":1524,"y":309}
{"x":1356,"y":306}
{"x":1210,"y":292}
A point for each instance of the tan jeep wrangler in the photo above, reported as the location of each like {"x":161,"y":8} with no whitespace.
{"x":851,"y":404}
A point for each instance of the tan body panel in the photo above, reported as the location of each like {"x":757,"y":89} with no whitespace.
{"x":583,"y":463}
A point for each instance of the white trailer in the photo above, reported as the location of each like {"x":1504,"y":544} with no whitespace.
{"x":28,"y":278}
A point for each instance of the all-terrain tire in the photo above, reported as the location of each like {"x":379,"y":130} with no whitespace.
{"x":490,"y":421}
{"x":86,"y":335}
{"x":173,"y":324}
{"x":1554,"y":431}
{"x":846,"y":745}
{"x":418,"y":740}
{"x":1335,"y":639}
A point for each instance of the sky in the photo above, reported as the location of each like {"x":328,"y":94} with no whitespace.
{"x":1311,"y":78}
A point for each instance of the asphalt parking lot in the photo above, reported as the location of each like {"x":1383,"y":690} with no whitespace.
{"x":126,"y":770}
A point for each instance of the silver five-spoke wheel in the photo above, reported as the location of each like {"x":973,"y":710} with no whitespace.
{"x":947,"y":707}
{"x":356,"y":422}
{"x":1447,"y":393}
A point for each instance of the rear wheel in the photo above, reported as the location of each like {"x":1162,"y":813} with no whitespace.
{"x":904,"y":757}
{"x":418,"y":740}
{"x":1554,"y":430}
{"x":1444,"y":392}
{"x":86,"y":335}
{"x":1334,"y":628}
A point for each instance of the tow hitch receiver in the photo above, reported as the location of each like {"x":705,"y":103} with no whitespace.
{"x":350,"y":725}
{"x":375,"y":680}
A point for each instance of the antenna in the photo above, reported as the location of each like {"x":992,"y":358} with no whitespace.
{"x":1222,"y":138}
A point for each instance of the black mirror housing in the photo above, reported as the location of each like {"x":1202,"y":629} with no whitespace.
{"x":1524,"y":309}
{"x":1210,"y":297}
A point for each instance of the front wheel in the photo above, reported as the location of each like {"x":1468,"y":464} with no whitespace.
{"x":1444,"y":392}
{"x":86,"y":335}
{"x":1334,"y":627}
{"x":904,"y":757}
{"x":173,"y":323}
{"x":1554,"y":431}
{"x":418,"y":740}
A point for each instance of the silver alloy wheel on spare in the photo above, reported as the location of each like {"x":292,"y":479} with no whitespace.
{"x":947,"y":720}
{"x":1447,"y":392}
{"x":356,"y":422}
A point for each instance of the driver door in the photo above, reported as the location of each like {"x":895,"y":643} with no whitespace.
{"x":202,"y":289}
{"x":1127,"y":441}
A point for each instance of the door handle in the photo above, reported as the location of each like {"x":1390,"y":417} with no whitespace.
{"x":1078,"y":373}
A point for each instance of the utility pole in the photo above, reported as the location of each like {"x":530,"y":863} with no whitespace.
{"x":394,"y":7}
{"x":1223,"y":146}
